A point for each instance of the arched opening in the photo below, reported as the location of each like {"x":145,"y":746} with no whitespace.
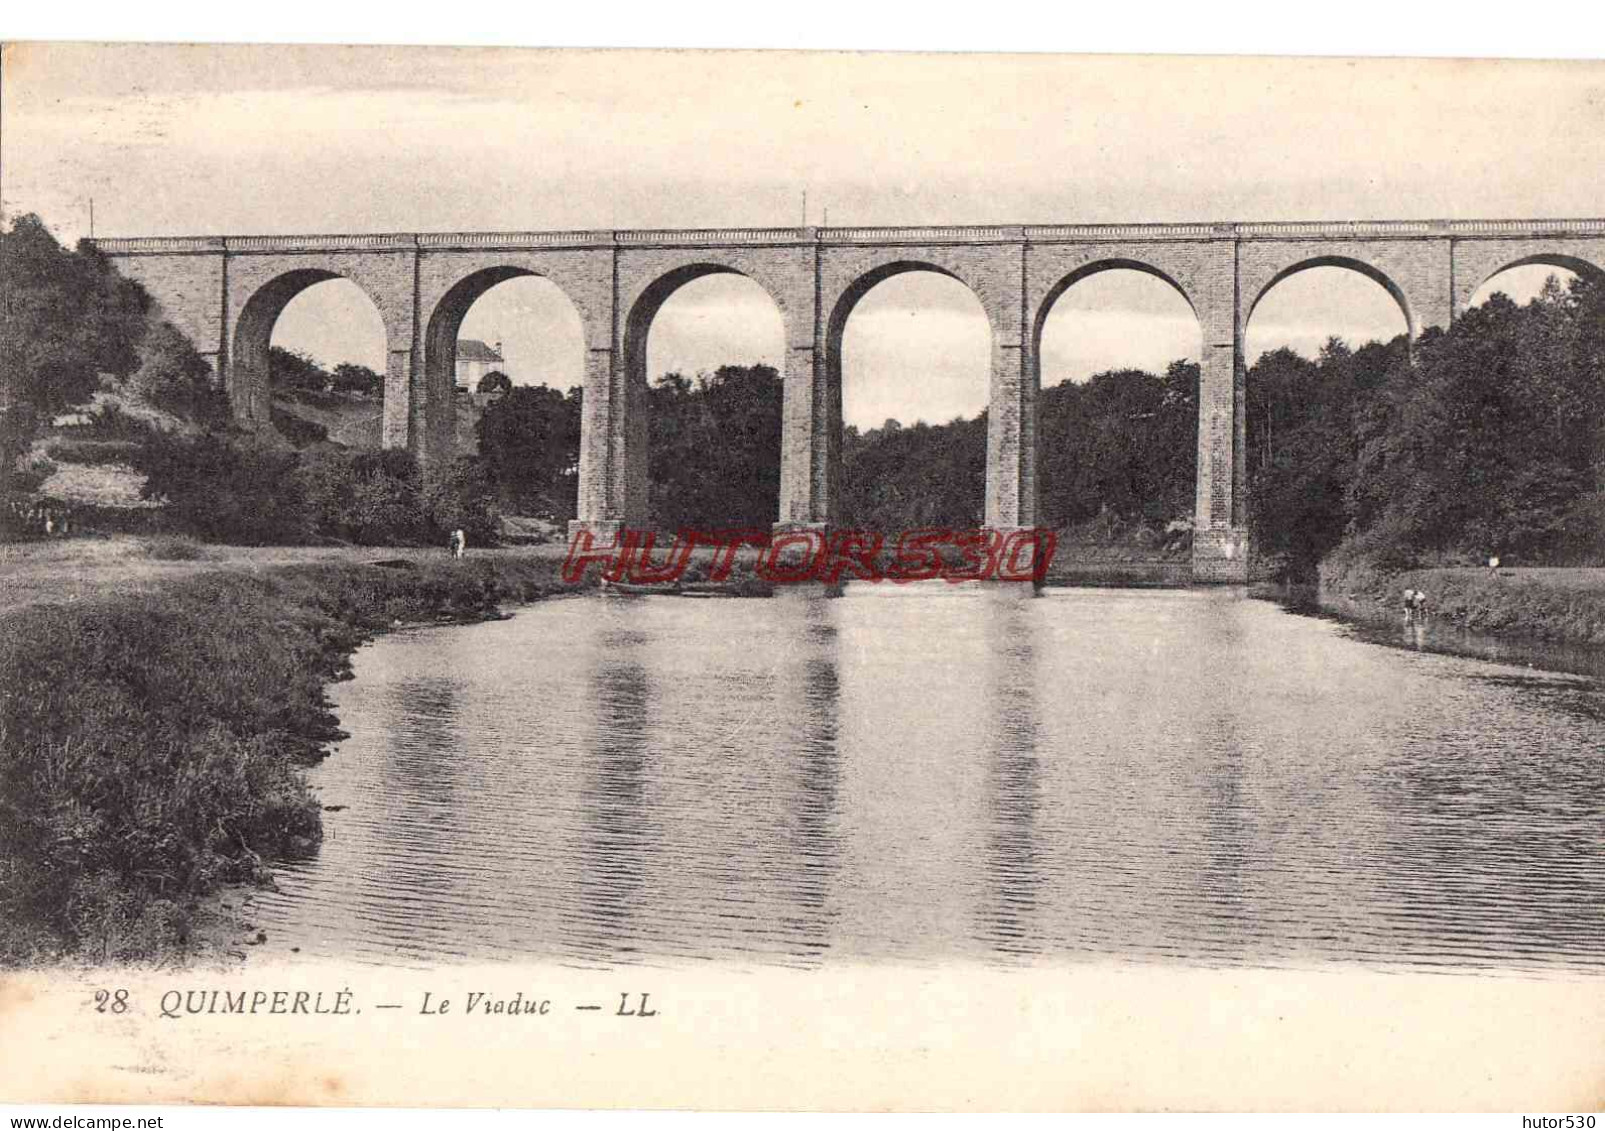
{"x":310,"y":356}
{"x":705,"y":352}
{"x":1118,"y":348}
{"x":506,"y":362}
{"x":1321,"y":340}
{"x":533,"y":326}
{"x":1308,"y":304}
{"x":1526,"y":279}
{"x":910,"y":348}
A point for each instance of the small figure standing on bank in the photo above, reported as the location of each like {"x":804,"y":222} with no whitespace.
{"x":1493,"y":566}
{"x":1409,"y":605}
{"x":1420,"y":605}
{"x":458,"y":543}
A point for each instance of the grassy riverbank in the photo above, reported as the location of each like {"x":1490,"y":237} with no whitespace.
{"x":1564,"y":606}
{"x":69,"y":570}
{"x":156,"y":720}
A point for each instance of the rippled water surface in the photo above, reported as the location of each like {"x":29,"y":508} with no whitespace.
{"x":922,"y":774}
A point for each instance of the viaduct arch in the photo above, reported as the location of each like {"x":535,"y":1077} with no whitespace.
{"x":647,"y":301}
{"x":223,"y":290}
{"x":253,"y":335}
{"x":850,"y":283}
{"x":1080,"y":268}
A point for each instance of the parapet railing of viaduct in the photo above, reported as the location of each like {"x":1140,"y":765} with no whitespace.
{"x":847,"y":237}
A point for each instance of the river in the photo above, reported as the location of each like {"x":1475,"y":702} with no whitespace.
{"x":928,"y":773}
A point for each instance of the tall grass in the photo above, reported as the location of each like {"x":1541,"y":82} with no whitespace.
{"x":1515,"y":605}
{"x":153,"y":746}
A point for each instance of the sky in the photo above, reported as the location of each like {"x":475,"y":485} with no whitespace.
{"x":249,"y":139}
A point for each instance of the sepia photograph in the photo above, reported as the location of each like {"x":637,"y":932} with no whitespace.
{"x":800,"y":580}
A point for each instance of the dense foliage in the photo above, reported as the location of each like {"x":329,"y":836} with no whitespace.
{"x":1123,"y":444}
{"x":715,"y":449}
{"x":172,"y":375}
{"x":899,"y":477}
{"x":225,"y":488}
{"x":1303,"y":441}
{"x":529,"y":442}
{"x":1482,"y":439}
{"x":1120,"y":447}
{"x":68,"y":323}
{"x":290,"y":371}
{"x":66,"y":317}
{"x":232,"y":488}
{"x":495,"y":382}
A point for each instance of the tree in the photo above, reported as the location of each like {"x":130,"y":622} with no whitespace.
{"x":1306,"y":423}
{"x":349,"y":377}
{"x":1119,"y":449}
{"x":1485,"y":438}
{"x":173,"y":375}
{"x":899,"y":477}
{"x":714,"y":445}
{"x":66,"y":318}
{"x":290,"y":370}
{"x":463,"y":497}
{"x":1121,"y":445}
{"x":495,"y":382}
{"x":372,"y":498}
{"x":227,"y":489}
{"x":529,"y":441}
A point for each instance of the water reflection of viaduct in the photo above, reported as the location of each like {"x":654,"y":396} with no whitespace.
{"x":227,"y":292}
{"x":771,"y":870}
{"x":752,"y":873}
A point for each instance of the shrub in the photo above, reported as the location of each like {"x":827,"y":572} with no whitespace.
{"x":30,"y":476}
{"x":229,"y":487}
{"x":173,"y":549}
{"x":174,"y":376}
{"x":371,"y":498}
{"x":110,"y":421}
{"x":225,"y":489}
{"x":464,"y":497}
{"x":358,"y":379}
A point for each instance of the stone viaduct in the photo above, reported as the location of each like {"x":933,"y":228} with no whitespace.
{"x":226,"y":293}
